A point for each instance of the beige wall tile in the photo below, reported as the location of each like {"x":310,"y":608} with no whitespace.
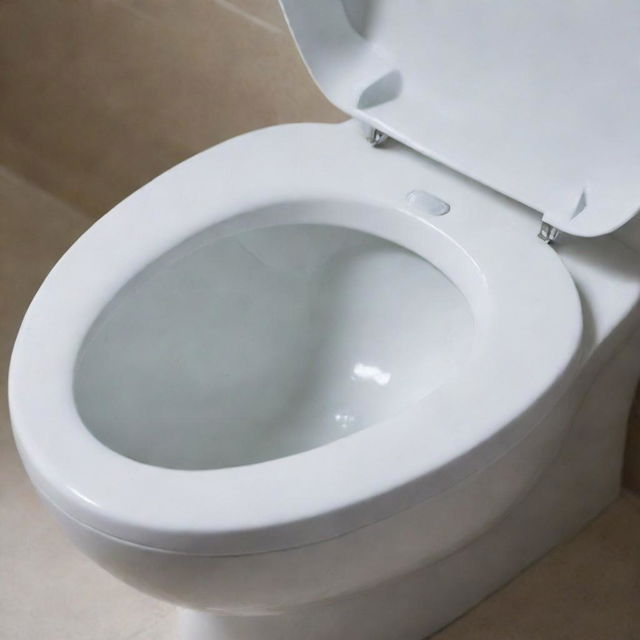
{"x":100,"y":96}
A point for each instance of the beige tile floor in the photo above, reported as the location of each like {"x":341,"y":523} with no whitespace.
{"x":587,"y":589}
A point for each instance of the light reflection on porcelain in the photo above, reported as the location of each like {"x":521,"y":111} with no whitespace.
{"x":344,"y":420}
{"x":368,"y":372}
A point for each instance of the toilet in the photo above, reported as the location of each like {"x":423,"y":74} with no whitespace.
{"x":344,"y":381}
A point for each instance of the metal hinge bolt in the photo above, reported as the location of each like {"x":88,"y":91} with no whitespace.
{"x":376,"y":137}
{"x":548,"y":233}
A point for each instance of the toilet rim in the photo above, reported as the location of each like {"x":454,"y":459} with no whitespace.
{"x":529,"y":330}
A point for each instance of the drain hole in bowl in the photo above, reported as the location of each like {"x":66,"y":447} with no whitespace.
{"x":267,"y":343}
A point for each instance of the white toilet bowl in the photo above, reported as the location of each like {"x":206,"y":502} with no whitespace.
{"x":269,"y":301}
{"x":266,"y":302}
{"x":307,"y":388}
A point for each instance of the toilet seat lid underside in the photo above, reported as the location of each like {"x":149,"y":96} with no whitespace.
{"x":537,"y":99}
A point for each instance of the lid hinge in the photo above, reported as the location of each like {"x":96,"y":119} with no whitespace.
{"x":548,"y":233}
{"x":375,"y":136}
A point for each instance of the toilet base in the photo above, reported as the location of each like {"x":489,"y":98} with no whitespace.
{"x":412,"y":607}
{"x":581,"y":481}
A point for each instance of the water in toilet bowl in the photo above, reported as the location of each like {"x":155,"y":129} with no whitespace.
{"x":267,"y":343}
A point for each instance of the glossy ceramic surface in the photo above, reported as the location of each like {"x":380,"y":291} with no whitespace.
{"x":267,"y":343}
{"x":527,"y":328}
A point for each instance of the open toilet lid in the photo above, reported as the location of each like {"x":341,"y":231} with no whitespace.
{"x":538,"y":99}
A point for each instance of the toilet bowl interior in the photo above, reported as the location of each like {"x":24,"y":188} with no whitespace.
{"x":247,"y":343}
{"x":511,"y":289}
